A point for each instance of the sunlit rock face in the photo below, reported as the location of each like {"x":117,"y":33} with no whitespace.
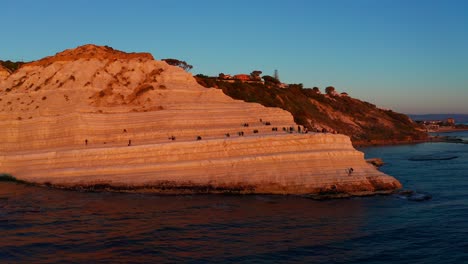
{"x":4,"y":72}
{"x":95,"y":116}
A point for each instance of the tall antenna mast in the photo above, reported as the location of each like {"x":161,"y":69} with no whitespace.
{"x":276,"y":75}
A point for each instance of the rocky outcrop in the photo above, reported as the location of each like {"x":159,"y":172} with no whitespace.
{"x":377,"y":162}
{"x":91,"y":51}
{"x":128,"y":122}
{"x":280,"y":164}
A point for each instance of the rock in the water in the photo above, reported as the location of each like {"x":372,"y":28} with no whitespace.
{"x":411,"y":195}
{"x":433,"y":157}
{"x":377,"y":162}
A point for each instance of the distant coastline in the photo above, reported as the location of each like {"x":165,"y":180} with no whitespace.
{"x":433,"y":137}
{"x":391,"y":142}
{"x":459,"y":118}
{"x":451,"y":129}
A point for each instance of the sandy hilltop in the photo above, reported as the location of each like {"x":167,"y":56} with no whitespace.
{"x":95,"y":117}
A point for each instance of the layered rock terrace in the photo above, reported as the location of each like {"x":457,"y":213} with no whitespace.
{"x":94,"y":115}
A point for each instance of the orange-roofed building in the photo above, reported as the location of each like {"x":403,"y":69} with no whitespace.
{"x":242,"y":77}
{"x":451,"y":121}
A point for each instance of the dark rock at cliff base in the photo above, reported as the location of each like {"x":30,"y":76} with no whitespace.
{"x":377,"y":162}
{"x":433,"y":157}
{"x":411,"y":195}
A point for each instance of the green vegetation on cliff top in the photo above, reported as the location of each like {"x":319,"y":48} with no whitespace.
{"x":11,"y":65}
{"x":363,"y":122}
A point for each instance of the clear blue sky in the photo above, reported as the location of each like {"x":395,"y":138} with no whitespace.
{"x":410,"y":56}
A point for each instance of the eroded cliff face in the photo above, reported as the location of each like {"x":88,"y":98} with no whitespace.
{"x":94,"y":116}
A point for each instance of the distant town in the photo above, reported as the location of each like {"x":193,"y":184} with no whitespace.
{"x":441,"y":125}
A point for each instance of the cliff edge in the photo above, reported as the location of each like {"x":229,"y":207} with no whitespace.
{"x":97,"y":118}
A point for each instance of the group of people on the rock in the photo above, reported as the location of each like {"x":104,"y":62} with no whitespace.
{"x":300,"y":129}
{"x":266,"y":123}
{"x":324,"y":130}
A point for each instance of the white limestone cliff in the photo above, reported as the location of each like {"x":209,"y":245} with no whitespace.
{"x":94,"y":116}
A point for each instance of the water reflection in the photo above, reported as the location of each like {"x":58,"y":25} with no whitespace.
{"x":46,"y":224}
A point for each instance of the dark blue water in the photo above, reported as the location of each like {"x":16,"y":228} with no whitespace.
{"x":40,"y":225}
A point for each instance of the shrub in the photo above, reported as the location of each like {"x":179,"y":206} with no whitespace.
{"x":4,"y":177}
{"x":11,"y":65}
{"x":182,"y":64}
{"x":7,"y":178}
{"x":330,"y":90}
{"x":297,"y":86}
{"x":270,"y":80}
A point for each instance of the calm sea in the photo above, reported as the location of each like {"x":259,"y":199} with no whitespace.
{"x":40,"y":225}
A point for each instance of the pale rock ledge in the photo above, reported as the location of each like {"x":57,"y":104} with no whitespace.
{"x":96,"y":118}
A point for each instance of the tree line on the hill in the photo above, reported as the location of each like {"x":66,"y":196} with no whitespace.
{"x":11,"y":65}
